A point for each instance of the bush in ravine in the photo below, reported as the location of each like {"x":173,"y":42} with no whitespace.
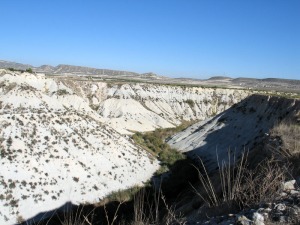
{"x":154,"y":143}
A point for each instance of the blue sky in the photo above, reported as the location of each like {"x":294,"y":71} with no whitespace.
{"x":178,"y":38}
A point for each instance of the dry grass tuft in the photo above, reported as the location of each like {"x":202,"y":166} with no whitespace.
{"x":224,"y":188}
{"x":155,"y":210}
{"x":77,"y":217}
{"x":261,"y":184}
{"x":289,"y":133}
{"x":239,"y":186}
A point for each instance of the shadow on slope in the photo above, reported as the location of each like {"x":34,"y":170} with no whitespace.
{"x":239,"y":128}
{"x":173,"y":188}
{"x":44,"y":215}
{"x":84,"y":214}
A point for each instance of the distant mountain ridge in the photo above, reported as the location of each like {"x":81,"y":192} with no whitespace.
{"x":68,"y":69}
{"x":279,"y":84}
{"x":19,"y":66}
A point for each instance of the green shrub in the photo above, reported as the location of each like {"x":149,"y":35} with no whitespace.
{"x":11,"y":69}
{"x":154,"y":142}
{"x":190,"y":102}
{"x":62,"y":92}
{"x":123,"y":195}
{"x":29,"y":70}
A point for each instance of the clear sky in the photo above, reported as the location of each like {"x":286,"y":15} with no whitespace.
{"x":177,"y":38}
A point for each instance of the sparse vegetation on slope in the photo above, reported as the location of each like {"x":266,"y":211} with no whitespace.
{"x":55,"y":148}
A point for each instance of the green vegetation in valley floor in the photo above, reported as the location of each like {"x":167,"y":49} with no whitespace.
{"x":154,"y":142}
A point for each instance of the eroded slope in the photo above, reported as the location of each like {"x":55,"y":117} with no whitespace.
{"x":145,"y":107}
{"x":54,"y":149}
{"x":239,"y":128}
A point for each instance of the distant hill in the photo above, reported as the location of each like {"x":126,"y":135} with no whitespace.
{"x":67,"y":69}
{"x":63,"y":69}
{"x":19,"y":66}
{"x":288,"y":81}
{"x":220,"y":78}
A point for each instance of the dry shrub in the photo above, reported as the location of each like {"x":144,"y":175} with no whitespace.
{"x":224,"y":188}
{"x":78,"y":217}
{"x":155,"y":210}
{"x":261,"y":184}
{"x":239,"y":186}
{"x":140,"y":216}
{"x":289,"y":133}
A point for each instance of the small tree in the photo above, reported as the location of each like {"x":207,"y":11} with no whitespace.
{"x":29,"y":70}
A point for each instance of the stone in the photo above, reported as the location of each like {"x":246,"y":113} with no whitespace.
{"x":243,"y":220}
{"x":280,"y":207}
{"x":289,"y":185}
{"x":283,"y":194}
{"x":267,"y":210}
{"x":258,"y":219}
{"x":266,"y":216}
{"x":294,"y":211}
{"x":294,"y":192}
{"x":283,"y":219}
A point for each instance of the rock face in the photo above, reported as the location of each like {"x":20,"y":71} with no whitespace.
{"x":145,"y":107}
{"x":239,"y":128}
{"x":55,"y":149}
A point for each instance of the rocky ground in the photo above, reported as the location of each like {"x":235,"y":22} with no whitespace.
{"x":283,"y":210}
